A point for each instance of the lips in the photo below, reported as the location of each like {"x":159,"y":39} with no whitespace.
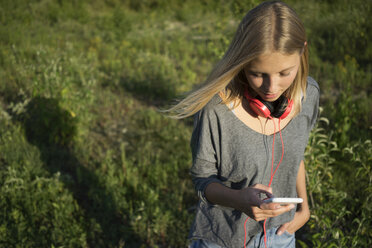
{"x":270,"y":96}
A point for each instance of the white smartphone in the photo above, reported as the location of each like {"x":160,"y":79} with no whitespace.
{"x":284,"y":200}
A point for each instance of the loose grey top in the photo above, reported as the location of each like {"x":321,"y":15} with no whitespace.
{"x":227,"y":151}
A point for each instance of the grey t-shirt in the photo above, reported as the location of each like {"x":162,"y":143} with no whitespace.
{"x":227,"y":151}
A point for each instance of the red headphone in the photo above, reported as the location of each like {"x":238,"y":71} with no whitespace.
{"x":278,"y":109}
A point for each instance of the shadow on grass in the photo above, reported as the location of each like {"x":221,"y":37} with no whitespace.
{"x":155,"y":91}
{"x":52,"y":130}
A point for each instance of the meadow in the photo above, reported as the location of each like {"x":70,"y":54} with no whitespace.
{"x":86,"y":158}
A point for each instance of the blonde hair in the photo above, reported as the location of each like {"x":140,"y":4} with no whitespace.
{"x":269,"y":27}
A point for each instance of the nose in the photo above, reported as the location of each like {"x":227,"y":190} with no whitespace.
{"x":269,"y":84}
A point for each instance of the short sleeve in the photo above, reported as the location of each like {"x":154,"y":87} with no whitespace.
{"x":204,"y":147}
{"x":313,"y":98}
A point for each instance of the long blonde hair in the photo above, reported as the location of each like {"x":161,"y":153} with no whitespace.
{"x":271,"y":26}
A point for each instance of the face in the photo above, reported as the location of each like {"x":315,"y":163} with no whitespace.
{"x":271,"y":75}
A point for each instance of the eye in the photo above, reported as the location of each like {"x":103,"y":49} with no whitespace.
{"x":284,"y":74}
{"x":255,"y":74}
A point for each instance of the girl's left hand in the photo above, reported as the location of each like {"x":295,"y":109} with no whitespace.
{"x":283,"y":228}
{"x":300,"y":218}
{"x":302,"y":214}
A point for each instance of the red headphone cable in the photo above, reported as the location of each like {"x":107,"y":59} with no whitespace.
{"x":271,"y":178}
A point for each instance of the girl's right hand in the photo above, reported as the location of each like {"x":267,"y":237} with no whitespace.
{"x":252,"y":205}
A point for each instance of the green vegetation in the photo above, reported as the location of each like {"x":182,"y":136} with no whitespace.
{"x":86,"y":160}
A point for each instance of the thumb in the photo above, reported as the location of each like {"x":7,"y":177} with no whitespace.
{"x":282,"y":228}
{"x":263,"y":187}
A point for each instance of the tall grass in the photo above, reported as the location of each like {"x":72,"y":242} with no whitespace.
{"x":86,"y":160}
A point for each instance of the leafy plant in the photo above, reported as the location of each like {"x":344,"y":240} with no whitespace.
{"x":87,"y":161}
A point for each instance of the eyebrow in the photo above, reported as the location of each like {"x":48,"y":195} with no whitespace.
{"x":254,"y":71}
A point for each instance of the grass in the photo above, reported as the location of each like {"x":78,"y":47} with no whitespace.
{"x":86,"y":160}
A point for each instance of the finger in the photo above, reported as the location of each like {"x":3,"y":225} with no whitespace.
{"x":281,"y":210}
{"x":269,"y":194}
{"x":270,"y":190}
{"x":260,"y":188}
{"x":263,"y":187}
{"x":278,"y":211}
{"x":270,"y":206}
{"x":257,"y":214}
{"x":282,"y":228}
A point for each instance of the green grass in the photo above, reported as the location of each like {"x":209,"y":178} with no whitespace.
{"x":86,"y":160}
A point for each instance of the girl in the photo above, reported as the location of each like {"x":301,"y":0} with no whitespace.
{"x":252,"y":120}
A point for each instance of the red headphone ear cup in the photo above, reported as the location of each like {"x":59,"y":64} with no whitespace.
{"x":287,"y":110}
{"x":266,"y":110}
{"x":259,"y":108}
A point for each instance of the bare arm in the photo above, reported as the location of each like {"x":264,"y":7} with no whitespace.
{"x":302,"y":214}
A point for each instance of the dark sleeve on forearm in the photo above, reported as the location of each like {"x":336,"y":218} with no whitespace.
{"x":203,"y":173}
